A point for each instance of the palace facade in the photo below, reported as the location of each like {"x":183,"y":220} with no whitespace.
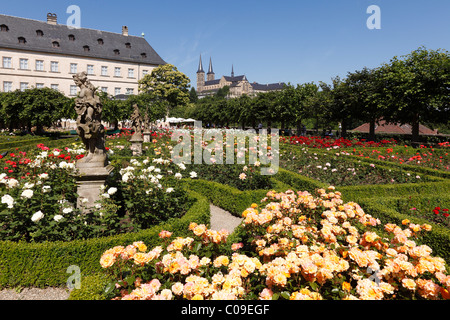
{"x":47,"y":54}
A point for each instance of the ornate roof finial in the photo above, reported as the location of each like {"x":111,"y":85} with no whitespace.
{"x":232,"y":71}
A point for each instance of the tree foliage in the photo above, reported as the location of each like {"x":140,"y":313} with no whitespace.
{"x":166,"y":83}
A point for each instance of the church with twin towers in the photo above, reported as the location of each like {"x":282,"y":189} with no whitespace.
{"x":208,"y":85}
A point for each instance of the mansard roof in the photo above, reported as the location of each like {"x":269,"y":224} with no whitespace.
{"x":49,"y":38}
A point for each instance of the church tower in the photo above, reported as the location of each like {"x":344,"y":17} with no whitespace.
{"x":200,"y":76}
{"x":210,"y":75}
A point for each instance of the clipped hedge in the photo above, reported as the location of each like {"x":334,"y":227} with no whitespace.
{"x":298,"y":182}
{"x":354,"y":193}
{"x":20,"y":143}
{"x":229,"y":198}
{"x":383,"y":208}
{"x":45,"y":264}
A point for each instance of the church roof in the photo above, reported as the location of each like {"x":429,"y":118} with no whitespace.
{"x":83,"y":42}
{"x":210,"y":70}
{"x":268,"y":87}
{"x":235,"y":79}
{"x":200,"y":66}
{"x":212,"y":82}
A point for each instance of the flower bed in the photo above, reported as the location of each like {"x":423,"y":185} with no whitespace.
{"x":333,"y":168}
{"x":38,"y":196}
{"x":327,"y":142}
{"x":295,"y":246}
{"x":425,"y":157}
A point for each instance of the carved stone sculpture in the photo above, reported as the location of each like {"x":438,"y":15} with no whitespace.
{"x":136,"y":120}
{"x":146,"y":122}
{"x":89,"y":127}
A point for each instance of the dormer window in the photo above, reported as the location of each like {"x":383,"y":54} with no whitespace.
{"x":143,"y":55}
{"x":128,"y":45}
{"x":55,"y":44}
{"x":4,"y":28}
{"x":100,"y":41}
{"x":86,"y":49}
{"x":39,"y":33}
{"x":71,"y":37}
{"x":22,"y":40}
{"x":117,"y":52}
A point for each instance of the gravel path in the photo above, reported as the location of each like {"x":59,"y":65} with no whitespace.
{"x":220,"y":219}
{"x":35,"y":294}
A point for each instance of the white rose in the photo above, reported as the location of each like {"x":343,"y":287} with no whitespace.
{"x":27,"y":193}
{"x":169,"y":190}
{"x":57,"y":217}
{"x":112,"y":190}
{"x":193,"y":174}
{"x":67,"y":210}
{"x":12,"y":183}
{"x":178,"y":175}
{"x":46,"y":189}
{"x":8,"y":200}
{"x":28,"y":185}
{"x":37,"y":216}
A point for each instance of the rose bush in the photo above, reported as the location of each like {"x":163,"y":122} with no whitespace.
{"x":294,"y":246}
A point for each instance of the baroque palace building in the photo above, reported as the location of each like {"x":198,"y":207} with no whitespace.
{"x":46,"y":54}
{"x":239,"y":85}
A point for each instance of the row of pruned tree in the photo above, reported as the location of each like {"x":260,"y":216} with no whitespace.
{"x":411,"y":89}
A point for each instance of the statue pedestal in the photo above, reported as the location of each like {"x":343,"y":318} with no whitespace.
{"x":136,"y":144}
{"x":91,"y":177}
{"x":147,"y":136}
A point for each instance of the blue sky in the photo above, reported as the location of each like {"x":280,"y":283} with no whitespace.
{"x":294,"y":41}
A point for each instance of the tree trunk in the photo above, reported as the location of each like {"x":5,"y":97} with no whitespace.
{"x":344,"y":128}
{"x":415,"y":129}
{"x":372,"y":130}
{"x":299,"y":128}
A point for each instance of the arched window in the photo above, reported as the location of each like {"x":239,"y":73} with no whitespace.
{"x":86,"y":49}
{"x":143,"y":55}
{"x":71,"y":37}
{"x":117,"y":52}
{"x":100,"y":41}
{"x":128,"y":45}
{"x":4,"y":28}
{"x":22,"y":40}
{"x":39,"y":33}
{"x":55,"y":44}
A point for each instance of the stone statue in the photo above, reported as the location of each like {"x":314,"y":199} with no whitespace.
{"x":146,"y":122}
{"x":89,"y":127}
{"x":136,"y":121}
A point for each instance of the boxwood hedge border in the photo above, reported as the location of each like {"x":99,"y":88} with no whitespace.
{"x":45,"y":264}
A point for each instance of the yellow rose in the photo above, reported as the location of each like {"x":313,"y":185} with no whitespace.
{"x":140,"y":246}
{"x":141,"y":258}
{"x":107,"y":260}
